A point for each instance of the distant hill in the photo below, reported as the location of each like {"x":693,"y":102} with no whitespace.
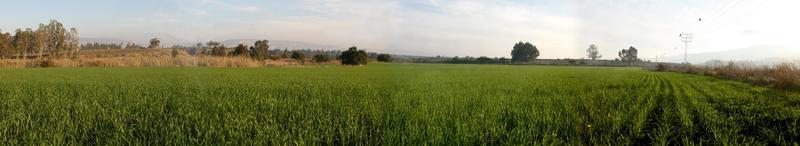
{"x":755,"y":54}
{"x":274,"y":44}
{"x":280,"y":44}
{"x":104,"y":41}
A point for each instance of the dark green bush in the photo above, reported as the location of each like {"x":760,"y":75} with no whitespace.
{"x":384,"y":58}
{"x":353,"y":56}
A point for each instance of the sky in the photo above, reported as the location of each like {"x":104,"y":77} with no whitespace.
{"x":559,"y":28}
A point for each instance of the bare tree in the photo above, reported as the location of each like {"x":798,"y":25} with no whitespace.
{"x":73,"y":44}
{"x":593,"y":53}
{"x":5,"y":43}
{"x":41,"y":40}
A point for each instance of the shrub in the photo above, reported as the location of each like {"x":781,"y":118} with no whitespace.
{"x":353,"y":56}
{"x":384,"y":58}
{"x":299,"y":56}
{"x":688,"y":68}
{"x":784,"y":76}
{"x":662,"y":67}
{"x":321,"y":58}
{"x":175,"y":52}
{"x":241,"y":50}
{"x":46,"y":63}
{"x":781,"y":76}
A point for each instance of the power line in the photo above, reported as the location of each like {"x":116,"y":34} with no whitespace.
{"x":686,"y":38}
{"x":715,"y":16}
{"x":718,"y":17}
{"x":735,"y":10}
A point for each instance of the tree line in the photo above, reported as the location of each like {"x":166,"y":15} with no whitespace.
{"x":523,"y":52}
{"x":98,"y":46}
{"x":260,"y":50}
{"x":53,"y":39}
{"x":48,"y":40}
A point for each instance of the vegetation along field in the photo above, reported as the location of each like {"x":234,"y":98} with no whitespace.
{"x":388,"y":104}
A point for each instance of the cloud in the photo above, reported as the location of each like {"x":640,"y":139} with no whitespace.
{"x":245,"y":8}
{"x":433,"y":27}
{"x":560,"y":29}
{"x":217,"y":4}
{"x":193,"y":11}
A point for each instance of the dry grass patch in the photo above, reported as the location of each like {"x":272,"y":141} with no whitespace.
{"x":781,"y":76}
{"x":146,"y":58}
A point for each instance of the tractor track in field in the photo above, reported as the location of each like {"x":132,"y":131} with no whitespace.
{"x":670,"y":114}
{"x":699,"y":127}
{"x":655,"y":112}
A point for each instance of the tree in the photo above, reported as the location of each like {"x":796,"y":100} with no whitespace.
{"x":51,"y":39}
{"x":261,"y":50}
{"x":73,"y":44}
{"x":241,"y":50}
{"x":56,"y":38}
{"x":384,"y":58}
{"x":353,"y":56}
{"x":219,"y":51}
{"x":41,"y":40}
{"x":524,"y":52}
{"x":154,"y":43}
{"x":503,"y":60}
{"x":299,"y":56}
{"x":23,"y":40}
{"x":133,"y":46}
{"x":593,"y":53}
{"x":211,"y":47}
{"x":321,"y":58}
{"x":629,"y":55}
{"x":5,"y":43}
{"x":285,"y":53}
{"x":213,"y":44}
{"x":483,"y":60}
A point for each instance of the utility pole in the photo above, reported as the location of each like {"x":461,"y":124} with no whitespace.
{"x":686,"y":38}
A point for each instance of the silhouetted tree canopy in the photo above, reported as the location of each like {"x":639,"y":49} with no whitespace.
{"x":241,"y":50}
{"x":261,"y":50}
{"x":321,"y":58}
{"x":154,"y":43}
{"x":353,"y":56}
{"x":629,"y":55}
{"x":384,"y":58}
{"x":219,"y":51}
{"x":524,"y":52}
{"x":299,"y":56}
{"x":213,"y":44}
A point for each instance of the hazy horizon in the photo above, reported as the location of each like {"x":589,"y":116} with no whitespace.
{"x":560,"y":29}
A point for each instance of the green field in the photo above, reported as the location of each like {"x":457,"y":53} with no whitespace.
{"x":391,"y":104}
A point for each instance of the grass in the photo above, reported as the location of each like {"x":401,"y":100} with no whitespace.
{"x":148,"y":58}
{"x":784,"y":76}
{"x":391,"y":104}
